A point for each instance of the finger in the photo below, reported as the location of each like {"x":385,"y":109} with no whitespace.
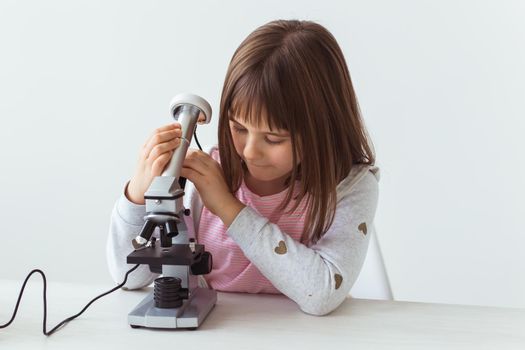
{"x":192,"y":175}
{"x":198,"y":162}
{"x":160,"y":163}
{"x":174,"y":125}
{"x":197,"y":167}
{"x":159,"y":138}
{"x":167,"y":127}
{"x":195,"y":155}
{"x":202,"y":118}
{"x":162,"y":148}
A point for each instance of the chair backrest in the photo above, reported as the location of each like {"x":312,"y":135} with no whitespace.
{"x":373,"y":282}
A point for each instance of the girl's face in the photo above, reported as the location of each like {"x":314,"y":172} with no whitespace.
{"x":267,"y":154}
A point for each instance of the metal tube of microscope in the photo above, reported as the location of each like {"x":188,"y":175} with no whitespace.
{"x":187,"y":116}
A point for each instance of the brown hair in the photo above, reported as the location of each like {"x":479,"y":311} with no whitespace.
{"x":294,"y":74}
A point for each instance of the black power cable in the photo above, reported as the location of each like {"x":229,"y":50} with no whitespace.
{"x":196,"y":139}
{"x":44,"y":326}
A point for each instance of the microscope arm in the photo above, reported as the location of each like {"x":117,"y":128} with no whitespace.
{"x":164,"y":205}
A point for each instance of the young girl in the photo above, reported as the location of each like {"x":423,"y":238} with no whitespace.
{"x":286,"y":202}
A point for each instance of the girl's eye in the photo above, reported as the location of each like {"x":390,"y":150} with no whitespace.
{"x":239,"y":130}
{"x":273,"y":142}
{"x":267,"y":140}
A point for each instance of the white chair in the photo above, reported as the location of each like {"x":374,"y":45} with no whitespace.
{"x":373,"y":282}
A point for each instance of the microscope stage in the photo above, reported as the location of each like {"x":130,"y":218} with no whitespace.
{"x":177,"y":254}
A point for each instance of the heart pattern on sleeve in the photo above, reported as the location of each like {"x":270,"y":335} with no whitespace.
{"x":362,"y":228}
{"x":281,"y":248}
{"x":338,"y":280}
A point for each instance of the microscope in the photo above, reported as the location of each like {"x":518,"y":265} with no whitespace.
{"x":176,"y":301}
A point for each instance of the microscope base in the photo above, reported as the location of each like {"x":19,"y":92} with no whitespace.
{"x":190,"y":315}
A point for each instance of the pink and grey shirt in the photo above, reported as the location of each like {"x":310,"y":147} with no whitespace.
{"x":232,"y":271}
{"x":260,"y":252}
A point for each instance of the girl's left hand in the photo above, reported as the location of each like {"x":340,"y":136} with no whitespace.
{"x":206,"y":173}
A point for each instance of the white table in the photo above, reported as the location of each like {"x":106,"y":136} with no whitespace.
{"x":242,"y":321}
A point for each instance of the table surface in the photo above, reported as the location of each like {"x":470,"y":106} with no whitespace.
{"x":244,"y":321}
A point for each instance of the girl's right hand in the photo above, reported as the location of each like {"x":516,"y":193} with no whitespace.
{"x":153,"y":158}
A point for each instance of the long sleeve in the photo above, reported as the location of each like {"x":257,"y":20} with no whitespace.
{"x":318,"y":278}
{"x":127,"y":219}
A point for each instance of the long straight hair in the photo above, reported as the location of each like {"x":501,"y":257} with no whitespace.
{"x":293,"y":74}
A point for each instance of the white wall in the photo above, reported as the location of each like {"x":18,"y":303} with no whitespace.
{"x":441,"y":86}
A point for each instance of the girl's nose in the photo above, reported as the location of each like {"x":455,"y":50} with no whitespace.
{"x":251,"y":150}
